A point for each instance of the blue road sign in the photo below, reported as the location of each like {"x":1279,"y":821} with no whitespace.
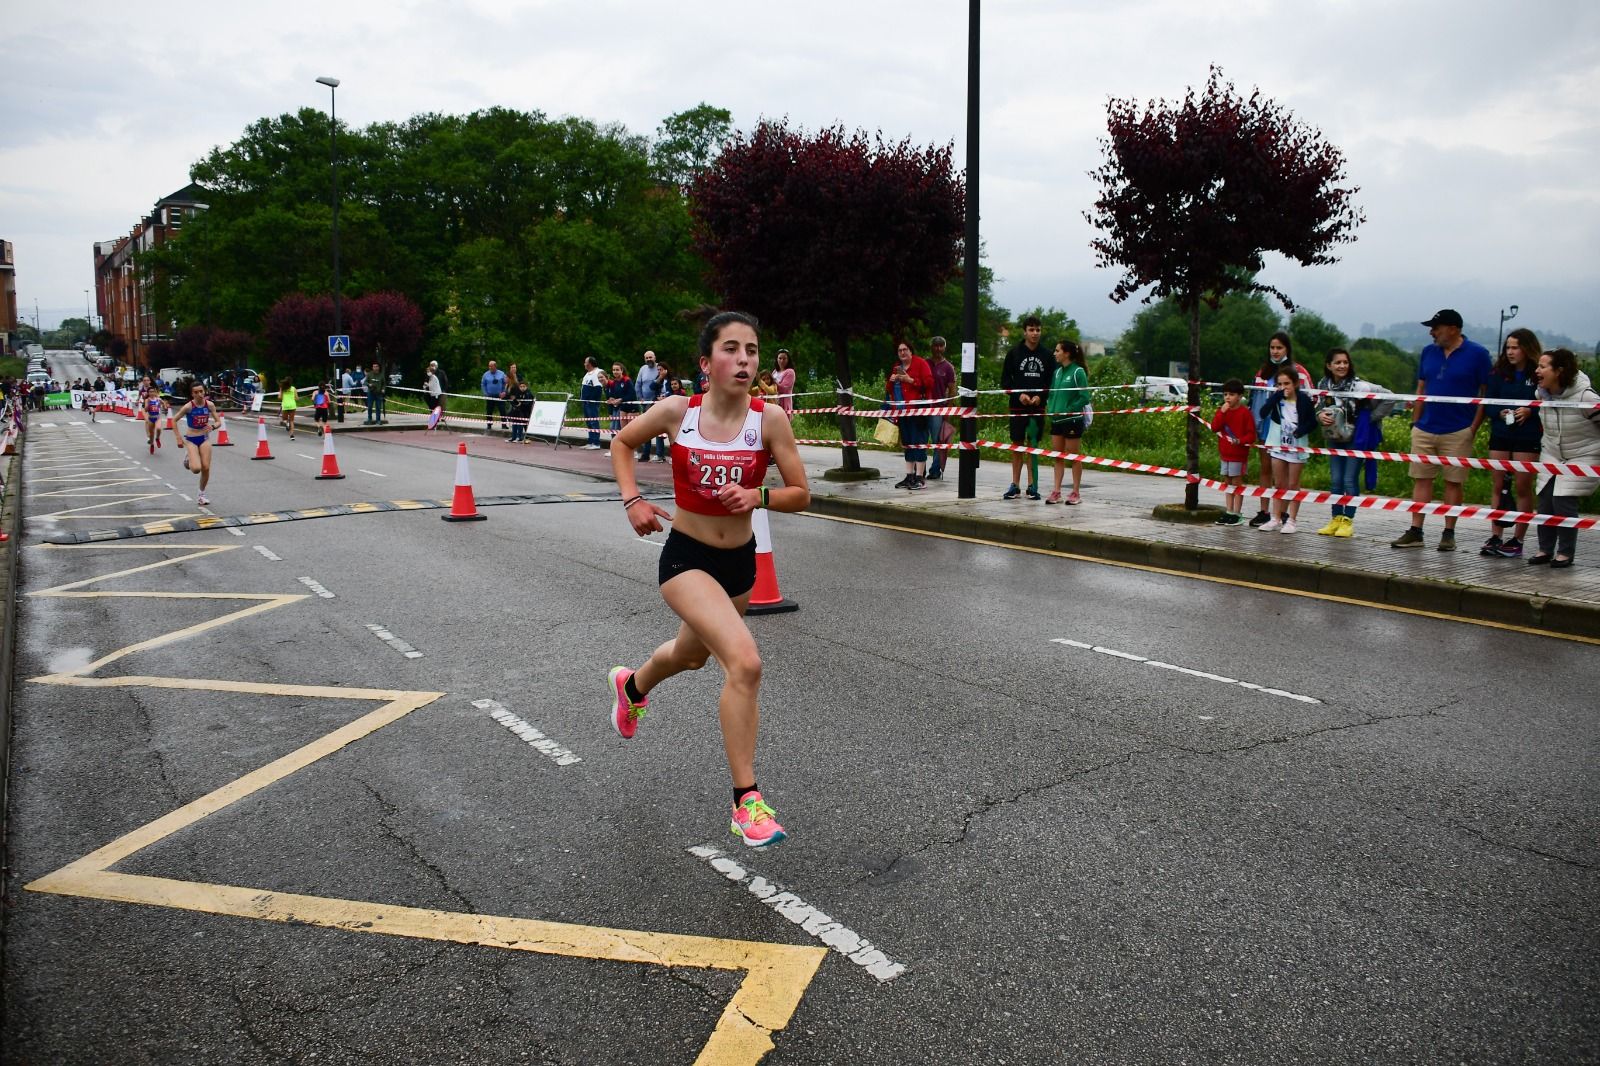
{"x":338,"y":345}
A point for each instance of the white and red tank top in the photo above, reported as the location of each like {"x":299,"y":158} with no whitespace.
{"x":700,"y":467}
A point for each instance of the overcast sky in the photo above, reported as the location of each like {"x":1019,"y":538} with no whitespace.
{"x":1471,"y":127}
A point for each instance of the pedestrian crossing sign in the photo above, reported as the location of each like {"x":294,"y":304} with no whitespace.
{"x":338,"y":345}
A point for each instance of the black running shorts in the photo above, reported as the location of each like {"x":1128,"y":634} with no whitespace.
{"x":733,"y":568}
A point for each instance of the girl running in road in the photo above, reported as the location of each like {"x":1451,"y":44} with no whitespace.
{"x":195,"y":421}
{"x":153,"y":403}
{"x":721,"y":443}
{"x":288,"y":403}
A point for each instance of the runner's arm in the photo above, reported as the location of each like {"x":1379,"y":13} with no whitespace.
{"x":643,"y":515}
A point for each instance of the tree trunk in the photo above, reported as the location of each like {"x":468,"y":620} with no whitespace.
{"x":851,"y":459}
{"x":1191,"y":490}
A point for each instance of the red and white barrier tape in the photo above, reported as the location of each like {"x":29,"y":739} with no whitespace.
{"x":962,"y":412}
{"x":1389,"y":503}
{"x":1381,"y":503}
{"x":1466,"y":461}
{"x":1411,"y":397}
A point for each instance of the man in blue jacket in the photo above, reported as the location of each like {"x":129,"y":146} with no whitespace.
{"x":494,"y":390}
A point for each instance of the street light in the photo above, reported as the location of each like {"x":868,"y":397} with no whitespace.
{"x":88,"y":316}
{"x":333,"y":162}
{"x":1500,"y":341}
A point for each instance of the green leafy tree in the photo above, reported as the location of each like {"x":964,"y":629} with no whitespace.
{"x":1313,"y":335}
{"x":941,"y":315}
{"x":687,"y":143}
{"x":1384,"y":363}
{"x":1193,"y":194}
{"x":1233,"y":336}
{"x":1055,"y":324}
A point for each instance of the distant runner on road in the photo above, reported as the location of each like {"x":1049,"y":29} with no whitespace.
{"x":195,"y":421}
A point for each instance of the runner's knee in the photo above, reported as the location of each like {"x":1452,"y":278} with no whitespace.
{"x":744,"y":667}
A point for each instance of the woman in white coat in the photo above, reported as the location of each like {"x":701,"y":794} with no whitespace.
{"x":1571,"y":435}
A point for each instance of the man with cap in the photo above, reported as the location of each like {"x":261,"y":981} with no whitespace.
{"x":1451,"y":366}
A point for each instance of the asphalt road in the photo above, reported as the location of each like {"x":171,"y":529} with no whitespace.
{"x":1075,"y":855}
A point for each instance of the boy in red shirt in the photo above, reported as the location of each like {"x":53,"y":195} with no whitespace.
{"x":1235,"y":428}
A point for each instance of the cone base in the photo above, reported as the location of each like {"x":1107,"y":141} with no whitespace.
{"x":222,"y":444}
{"x":255,"y":457}
{"x":330,"y":477}
{"x":464,"y":517}
{"x":777,"y":607}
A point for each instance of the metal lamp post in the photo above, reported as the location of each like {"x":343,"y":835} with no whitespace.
{"x":333,"y":164}
{"x":967,"y":470}
{"x":1500,"y":341}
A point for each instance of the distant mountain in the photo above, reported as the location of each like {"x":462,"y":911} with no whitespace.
{"x":1413,"y":336}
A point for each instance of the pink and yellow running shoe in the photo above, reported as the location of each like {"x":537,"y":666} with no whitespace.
{"x":624,"y":714}
{"x":755,"y":823}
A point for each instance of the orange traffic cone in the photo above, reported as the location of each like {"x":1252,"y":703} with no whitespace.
{"x":170,"y":426}
{"x":765,"y":597}
{"x":330,"y":462}
{"x":463,"y":507}
{"x":222,"y":440}
{"x":262,"y":451}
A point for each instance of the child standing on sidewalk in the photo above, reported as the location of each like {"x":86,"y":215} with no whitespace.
{"x":1235,"y":427}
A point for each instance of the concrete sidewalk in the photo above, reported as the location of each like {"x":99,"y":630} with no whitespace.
{"x":1115,"y":523}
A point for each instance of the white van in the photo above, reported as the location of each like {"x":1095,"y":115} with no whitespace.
{"x":168,"y":376}
{"x":1167,"y":390}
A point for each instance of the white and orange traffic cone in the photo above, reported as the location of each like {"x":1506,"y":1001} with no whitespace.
{"x":222,"y":440}
{"x":463,"y":507}
{"x":262,"y":451}
{"x":330,"y":462}
{"x":765,"y":597}
{"x":170,"y":426}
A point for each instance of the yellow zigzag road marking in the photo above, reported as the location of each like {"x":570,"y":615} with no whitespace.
{"x":776,"y":975}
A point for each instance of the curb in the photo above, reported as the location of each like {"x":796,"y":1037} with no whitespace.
{"x":11,"y":522}
{"x":1569,"y":617}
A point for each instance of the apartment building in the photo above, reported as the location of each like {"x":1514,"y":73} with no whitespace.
{"x":8,"y":299}
{"x":120,"y":282}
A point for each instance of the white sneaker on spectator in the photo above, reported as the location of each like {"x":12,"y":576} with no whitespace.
{"x":1288,"y":526}
{"x":1272,"y":525}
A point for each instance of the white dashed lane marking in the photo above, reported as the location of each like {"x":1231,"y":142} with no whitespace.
{"x":235,"y":531}
{"x":536,"y":740}
{"x":267,"y":553}
{"x":383,"y":634}
{"x":1159,"y":665}
{"x":374,"y":473}
{"x":852,"y":945}
{"x":317,"y":588}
